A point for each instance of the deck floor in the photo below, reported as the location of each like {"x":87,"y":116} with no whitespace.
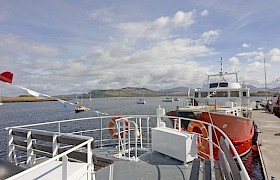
{"x":269,"y":125}
{"x":151,"y":165}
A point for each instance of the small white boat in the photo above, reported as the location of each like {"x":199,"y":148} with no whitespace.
{"x":81,"y":108}
{"x":167,"y":99}
{"x":141,"y":101}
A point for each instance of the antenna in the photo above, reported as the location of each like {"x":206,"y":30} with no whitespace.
{"x":221,"y":61}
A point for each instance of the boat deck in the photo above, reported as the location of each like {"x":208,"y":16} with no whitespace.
{"x":269,"y":125}
{"x":145,"y":152}
{"x":151,"y":165}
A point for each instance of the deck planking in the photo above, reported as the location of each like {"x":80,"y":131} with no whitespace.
{"x":269,"y":143}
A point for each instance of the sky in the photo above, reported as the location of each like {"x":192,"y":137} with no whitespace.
{"x":69,"y":46}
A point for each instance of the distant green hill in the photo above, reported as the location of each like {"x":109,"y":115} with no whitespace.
{"x":138,"y":92}
{"x":123,"y":92}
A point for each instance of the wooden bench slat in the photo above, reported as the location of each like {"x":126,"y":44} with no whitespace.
{"x":48,"y":138}
{"x":19,"y":133}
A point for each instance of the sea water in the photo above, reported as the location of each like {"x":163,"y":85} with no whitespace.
{"x":15,"y":114}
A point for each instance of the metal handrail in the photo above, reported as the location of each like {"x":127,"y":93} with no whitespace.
{"x":87,"y":142}
{"x":130,"y":117}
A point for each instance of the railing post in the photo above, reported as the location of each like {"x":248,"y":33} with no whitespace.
{"x":55,"y":146}
{"x":101,"y":129}
{"x":124,"y":135}
{"x":111,"y":173}
{"x":179,"y":123}
{"x":90,"y":164}
{"x":64,"y":167}
{"x":11,"y":148}
{"x":59,"y":128}
{"x":160,"y":113}
{"x":136,"y":143}
{"x":129,"y":138}
{"x":211,"y":145}
{"x":140,"y":132}
{"x":148,"y":131}
{"x":30,"y":152}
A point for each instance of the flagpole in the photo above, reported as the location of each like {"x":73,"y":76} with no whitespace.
{"x":265,"y":79}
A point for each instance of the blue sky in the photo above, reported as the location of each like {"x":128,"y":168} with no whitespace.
{"x":68,"y":46}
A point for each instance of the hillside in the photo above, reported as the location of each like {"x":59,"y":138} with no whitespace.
{"x":136,"y":92}
{"x":124,"y":92}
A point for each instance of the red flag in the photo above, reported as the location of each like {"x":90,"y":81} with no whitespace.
{"x":6,"y":77}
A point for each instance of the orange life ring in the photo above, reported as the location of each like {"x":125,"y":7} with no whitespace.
{"x":111,"y":126}
{"x":201,"y":143}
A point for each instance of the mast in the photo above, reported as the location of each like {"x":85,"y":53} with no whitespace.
{"x":221,"y":72}
{"x":265,"y":79}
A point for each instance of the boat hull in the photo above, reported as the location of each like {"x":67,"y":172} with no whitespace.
{"x":240,"y":131}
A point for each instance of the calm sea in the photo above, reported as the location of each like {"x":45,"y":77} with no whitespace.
{"x":13,"y":114}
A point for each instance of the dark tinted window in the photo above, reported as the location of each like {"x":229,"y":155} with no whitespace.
{"x":213,"y":85}
{"x":223,"y":84}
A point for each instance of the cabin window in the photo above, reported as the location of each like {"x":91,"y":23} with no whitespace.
{"x":213,"y":85}
{"x":204,"y":94}
{"x":224,"y":84}
{"x":196,"y":94}
{"x":244,"y":94}
{"x":222,"y":94}
{"x":234,"y":93}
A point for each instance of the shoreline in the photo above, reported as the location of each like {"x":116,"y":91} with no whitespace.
{"x":29,"y":99}
{"x":41,"y":99}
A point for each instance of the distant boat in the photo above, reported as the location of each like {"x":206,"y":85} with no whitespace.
{"x":81,"y":108}
{"x":141,"y":101}
{"x":168,"y":99}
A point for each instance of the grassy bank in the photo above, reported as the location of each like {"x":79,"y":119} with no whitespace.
{"x":28,"y":99}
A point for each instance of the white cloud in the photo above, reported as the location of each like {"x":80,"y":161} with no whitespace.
{"x":245,"y":45}
{"x":255,"y":66}
{"x":204,"y":13}
{"x":252,"y":55}
{"x":274,"y":55}
{"x":210,"y":36}
{"x":234,"y":61}
{"x":161,"y":28}
{"x":183,"y":19}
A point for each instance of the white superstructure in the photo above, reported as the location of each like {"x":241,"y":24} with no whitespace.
{"x":221,"y":88}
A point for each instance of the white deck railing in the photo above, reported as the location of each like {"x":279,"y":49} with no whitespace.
{"x":137,"y":136}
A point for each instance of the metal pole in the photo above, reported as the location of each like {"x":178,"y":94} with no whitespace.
{"x":265,"y":80}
